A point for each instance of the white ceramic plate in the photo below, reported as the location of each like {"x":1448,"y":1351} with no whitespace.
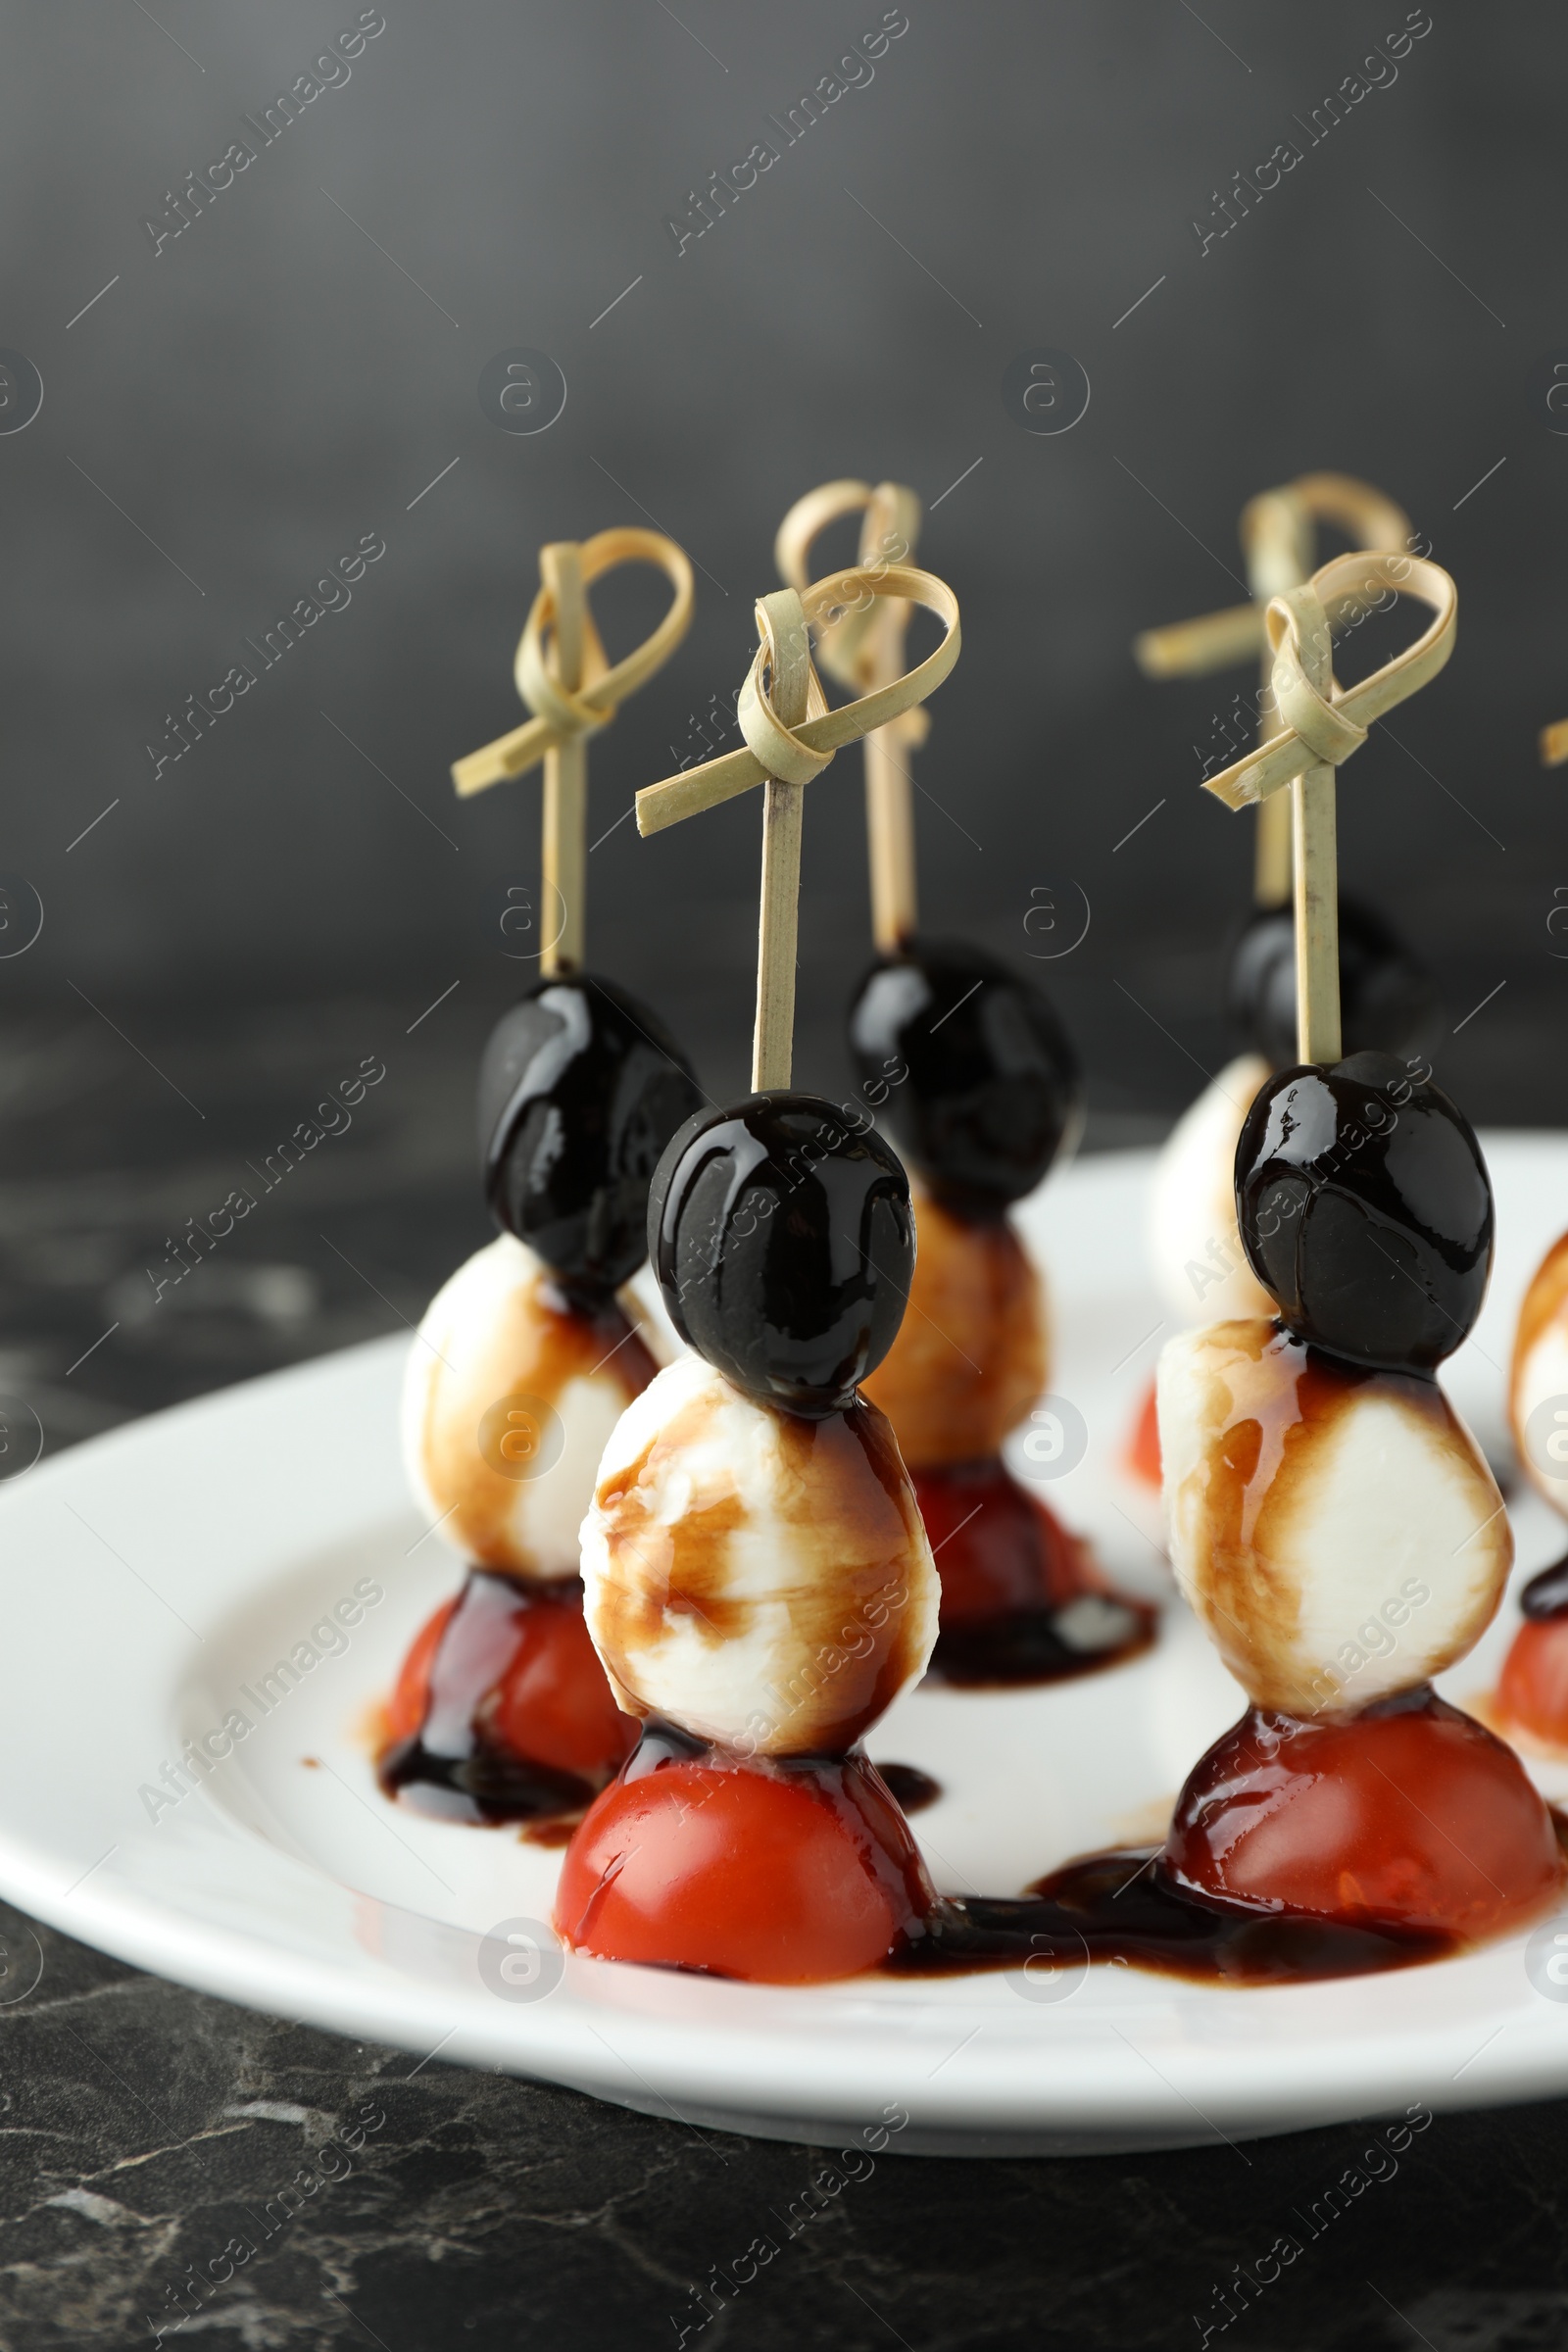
{"x":154,"y":1576}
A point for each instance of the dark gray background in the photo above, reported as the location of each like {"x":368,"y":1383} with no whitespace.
{"x":271,"y":385}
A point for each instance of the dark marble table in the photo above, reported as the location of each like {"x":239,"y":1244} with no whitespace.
{"x":368,"y":2199}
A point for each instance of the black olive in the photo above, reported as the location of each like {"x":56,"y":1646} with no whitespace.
{"x":969,"y":1068}
{"x":1546,"y":1595}
{"x":783,"y":1240}
{"x":1365,"y":1209}
{"x":581,"y":1089}
{"x":1386,"y":999}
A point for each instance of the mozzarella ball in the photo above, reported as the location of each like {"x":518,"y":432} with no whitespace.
{"x":1337,"y":1530}
{"x":1196,"y":1252}
{"x":1539,"y":1377}
{"x":970,"y":1358}
{"x":761,"y":1580}
{"x":509,"y":1396}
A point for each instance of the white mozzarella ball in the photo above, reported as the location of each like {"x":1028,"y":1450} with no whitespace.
{"x":1196,"y":1252}
{"x":760,"y":1579}
{"x":507,"y":1401}
{"x":1537,"y":1397}
{"x":1339,"y":1532}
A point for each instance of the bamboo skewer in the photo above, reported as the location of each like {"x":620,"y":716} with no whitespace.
{"x":564,"y":860}
{"x":889,"y":816}
{"x":1315,"y":848}
{"x":777,"y":935}
{"x":790,"y":737}
{"x":1276,"y":534}
{"x":865,"y":649}
{"x":1277,"y":540}
{"x":788,"y":648}
{"x":1322,"y":725}
{"x":566,"y":679}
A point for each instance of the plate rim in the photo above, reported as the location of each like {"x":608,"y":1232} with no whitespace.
{"x":1086,"y":2105}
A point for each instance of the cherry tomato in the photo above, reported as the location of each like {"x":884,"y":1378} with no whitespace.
{"x":996,"y":1549}
{"x":1142,"y":1458}
{"x":1414,"y":1817}
{"x":512,"y":1664}
{"x":410,"y":1696}
{"x":552,"y":1702}
{"x":782,"y":1875}
{"x":1532,"y":1693}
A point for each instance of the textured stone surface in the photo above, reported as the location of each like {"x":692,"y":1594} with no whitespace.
{"x":146,"y":2130}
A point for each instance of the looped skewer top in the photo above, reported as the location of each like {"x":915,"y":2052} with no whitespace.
{"x":791,"y":736}
{"x":1276,"y":535}
{"x":1324,"y":725}
{"x":696,"y":788}
{"x":1276,"y":526}
{"x":560,"y":668}
{"x":847,"y":648}
{"x":784,"y":654}
{"x":1277,"y":540}
{"x":567,"y":682}
{"x":865,"y":648}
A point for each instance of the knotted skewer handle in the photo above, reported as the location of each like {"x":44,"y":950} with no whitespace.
{"x":574,"y":692}
{"x":865,"y":649}
{"x":1277,"y":540}
{"x":1324,"y":724}
{"x":790,"y":737}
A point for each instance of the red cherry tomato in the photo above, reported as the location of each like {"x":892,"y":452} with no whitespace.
{"x":1143,"y":1456}
{"x":406,"y":1708}
{"x":1416,"y":1818}
{"x":1532,"y":1693}
{"x":996,"y":1549}
{"x":515,"y":1662}
{"x":784,"y":1875}
{"x":552,"y":1703}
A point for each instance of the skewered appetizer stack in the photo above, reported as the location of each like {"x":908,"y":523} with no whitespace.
{"x":974,"y":1078}
{"x":1333,"y":1521}
{"x":1533,"y":1691}
{"x":1533,"y":1694}
{"x":760,"y":1585}
{"x":528,"y":1356}
{"x":1385,"y":999}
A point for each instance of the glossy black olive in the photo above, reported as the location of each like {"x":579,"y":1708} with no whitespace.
{"x":1386,"y":999}
{"x":1546,"y":1595}
{"x":783,"y":1240}
{"x":581,"y":1089}
{"x":1365,"y":1209}
{"x":969,"y":1068}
